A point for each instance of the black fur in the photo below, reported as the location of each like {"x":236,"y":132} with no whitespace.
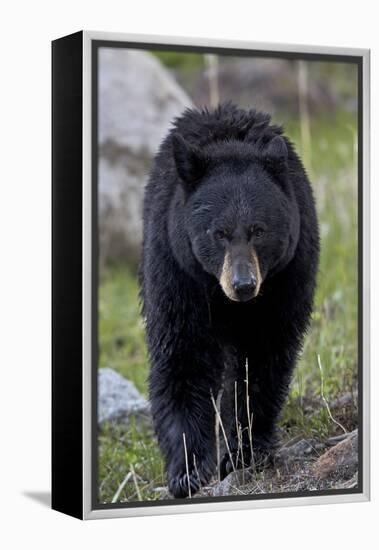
{"x":224,"y":181}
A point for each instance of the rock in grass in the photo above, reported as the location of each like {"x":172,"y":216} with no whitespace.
{"x":118,"y":399}
{"x":339,"y":461}
{"x":163,"y":493}
{"x":298,"y":452}
{"x":229,"y":484}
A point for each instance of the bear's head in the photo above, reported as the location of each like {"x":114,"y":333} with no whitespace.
{"x":240,"y":212}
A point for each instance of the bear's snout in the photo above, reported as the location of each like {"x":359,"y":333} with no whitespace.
{"x":244,"y":281}
{"x":240,"y":277}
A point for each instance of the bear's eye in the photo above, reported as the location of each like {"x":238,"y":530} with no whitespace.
{"x":256,"y":231}
{"x":220,"y":235}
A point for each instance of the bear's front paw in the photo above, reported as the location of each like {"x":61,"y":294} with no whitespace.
{"x":182,"y":485}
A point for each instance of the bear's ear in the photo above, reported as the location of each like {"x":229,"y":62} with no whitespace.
{"x":189,"y":161}
{"x":275,"y":154}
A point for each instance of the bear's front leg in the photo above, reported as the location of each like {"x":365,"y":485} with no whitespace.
{"x":261,"y":389}
{"x":181,"y":386}
{"x":191,"y":462}
{"x":186,"y":363}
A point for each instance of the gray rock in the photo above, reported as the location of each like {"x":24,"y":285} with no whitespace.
{"x":138,"y":100}
{"x":297,"y":452}
{"x":163,"y":493}
{"x":119,"y":399}
{"x":229,"y":484}
{"x":338,"y":438}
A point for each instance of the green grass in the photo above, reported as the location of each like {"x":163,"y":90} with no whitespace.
{"x":124,"y":452}
{"x":332,"y":335}
{"x":333,"y":332}
{"x":121,"y":332}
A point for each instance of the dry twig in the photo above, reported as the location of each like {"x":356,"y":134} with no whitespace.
{"x":187,"y":469}
{"x":223,"y":432}
{"x":324,"y":398}
{"x":121,"y":487}
{"x":135,"y":482}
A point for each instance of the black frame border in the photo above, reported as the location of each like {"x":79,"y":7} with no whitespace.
{"x":67,"y":266}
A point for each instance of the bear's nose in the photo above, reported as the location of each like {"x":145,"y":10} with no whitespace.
{"x":244,"y":283}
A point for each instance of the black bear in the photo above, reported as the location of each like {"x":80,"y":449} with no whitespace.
{"x":228,"y":274}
